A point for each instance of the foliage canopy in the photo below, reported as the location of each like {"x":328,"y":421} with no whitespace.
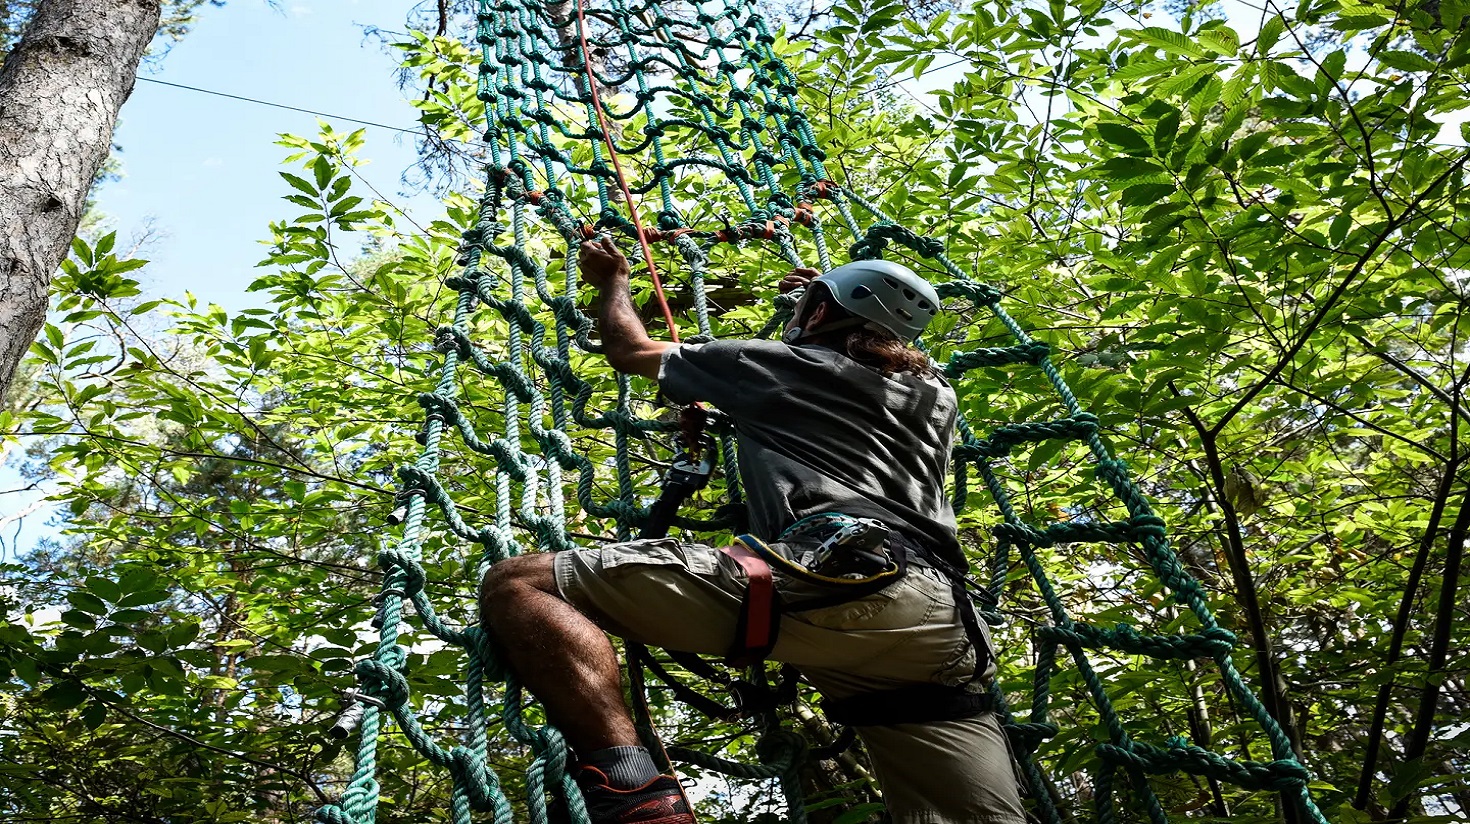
{"x":1245,"y":239}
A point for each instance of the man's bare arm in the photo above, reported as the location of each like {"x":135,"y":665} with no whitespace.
{"x":625,"y":342}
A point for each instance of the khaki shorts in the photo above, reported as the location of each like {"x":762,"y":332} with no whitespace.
{"x":687,"y":597}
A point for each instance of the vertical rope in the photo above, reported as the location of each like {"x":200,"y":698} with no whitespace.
{"x":742,"y":102}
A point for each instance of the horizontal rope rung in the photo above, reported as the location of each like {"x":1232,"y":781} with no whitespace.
{"x":1005,"y":438}
{"x":1282,"y":774}
{"x":1032,"y":352}
{"x":1206,"y":644}
{"x":1066,"y":532}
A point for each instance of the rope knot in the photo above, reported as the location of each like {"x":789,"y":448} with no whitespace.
{"x":383,"y":682}
{"x":495,"y":543}
{"x":669,"y":220}
{"x":981,"y":293}
{"x":478,"y":778}
{"x":1223,"y":639}
{"x":449,"y":339}
{"x":333,"y":814}
{"x":414,"y":577}
{"x":1027,"y":737}
{"x":1019,"y":533}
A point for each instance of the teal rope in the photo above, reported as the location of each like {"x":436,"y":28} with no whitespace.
{"x":762,"y":144}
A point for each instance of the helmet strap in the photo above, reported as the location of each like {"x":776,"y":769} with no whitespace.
{"x":797,"y":334}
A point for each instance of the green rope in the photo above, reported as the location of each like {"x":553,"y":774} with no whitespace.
{"x":697,"y":73}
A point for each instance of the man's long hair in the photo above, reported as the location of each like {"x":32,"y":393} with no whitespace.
{"x":876,"y":348}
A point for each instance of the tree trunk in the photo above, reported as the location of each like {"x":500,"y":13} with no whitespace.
{"x":60,"y":91}
{"x":1439,"y":650}
{"x":1401,"y":621}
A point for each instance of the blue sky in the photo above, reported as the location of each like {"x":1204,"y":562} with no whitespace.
{"x":202,"y":170}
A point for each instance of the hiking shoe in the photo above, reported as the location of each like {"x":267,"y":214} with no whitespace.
{"x":660,"y":801}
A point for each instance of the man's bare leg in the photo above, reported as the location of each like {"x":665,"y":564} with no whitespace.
{"x":563,"y":658}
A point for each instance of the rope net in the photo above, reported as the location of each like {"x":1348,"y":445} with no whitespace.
{"x":725,"y":168}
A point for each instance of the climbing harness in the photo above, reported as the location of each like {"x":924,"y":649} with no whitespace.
{"x":891,"y":554}
{"x":761,"y":606}
{"x":704,"y":75}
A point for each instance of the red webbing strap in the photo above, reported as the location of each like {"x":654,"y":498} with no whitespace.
{"x":755,"y":634}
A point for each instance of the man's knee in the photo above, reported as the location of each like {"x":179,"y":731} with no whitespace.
{"x":513,"y":578}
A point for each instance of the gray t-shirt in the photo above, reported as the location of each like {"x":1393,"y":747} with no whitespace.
{"x":820,"y":432}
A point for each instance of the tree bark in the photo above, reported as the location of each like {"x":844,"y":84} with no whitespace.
{"x":60,"y":91}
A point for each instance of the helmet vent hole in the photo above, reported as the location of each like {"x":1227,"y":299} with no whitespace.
{"x":892,"y":284}
{"x":924,"y":304}
{"x":904,"y":313}
{"x":908,"y":294}
{"x":859,"y":292}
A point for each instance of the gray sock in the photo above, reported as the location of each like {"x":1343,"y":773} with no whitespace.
{"x":627,"y":768}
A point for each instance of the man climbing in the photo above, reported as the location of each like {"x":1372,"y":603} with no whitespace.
{"x":852,"y":572}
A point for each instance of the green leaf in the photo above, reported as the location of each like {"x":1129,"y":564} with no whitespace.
{"x":138,"y":599}
{"x":135,"y":578}
{"x":1164,"y":132}
{"x":183,"y":634}
{"x":304,"y":202}
{"x":1185,"y":80}
{"x":65,"y":695}
{"x":301,"y":184}
{"x":103,"y":588}
{"x":1222,"y":40}
{"x":1238,"y":84}
{"x":1250,"y":144}
{"x":1359,"y":18}
{"x":83,"y":252}
{"x":1296,"y":85}
{"x":322,"y":168}
{"x":87,"y":602}
{"x":79,"y":619}
{"x":1129,"y":168}
{"x":1170,"y":41}
{"x":1271,"y":32}
{"x":280,"y":663}
{"x":94,"y":714}
{"x":1044,"y":455}
{"x":1147,"y":193}
{"x":1453,"y":13}
{"x":1406,"y":61}
{"x":1124,"y":137}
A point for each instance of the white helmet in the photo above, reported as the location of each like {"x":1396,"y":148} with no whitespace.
{"x":880,"y":293}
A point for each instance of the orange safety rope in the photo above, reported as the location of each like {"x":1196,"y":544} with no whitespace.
{"x":658,"y":287}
